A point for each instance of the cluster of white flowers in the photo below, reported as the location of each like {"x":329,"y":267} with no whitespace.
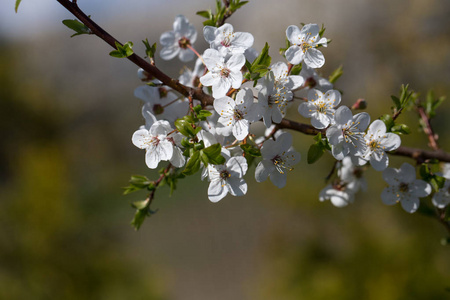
{"x":239,"y":102}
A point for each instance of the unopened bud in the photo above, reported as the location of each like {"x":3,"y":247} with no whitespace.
{"x":310,"y":82}
{"x":162,"y":92}
{"x":158,"y":109}
{"x":360,"y":104}
{"x":144,"y":75}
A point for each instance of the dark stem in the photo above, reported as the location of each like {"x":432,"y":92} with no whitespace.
{"x":207,"y":100}
{"x":428,"y":129}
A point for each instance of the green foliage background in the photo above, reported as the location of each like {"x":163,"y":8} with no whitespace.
{"x":67,"y":114}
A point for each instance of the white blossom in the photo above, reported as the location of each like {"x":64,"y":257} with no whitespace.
{"x":442,"y":197}
{"x":176,"y":42}
{"x":313,"y":80}
{"x":227,"y":178}
{"x":303,"y":45}
{"x":226,"y":41}
{"x":222,"y":74}
{"x":320,"y":108}
{"x":283,"y":79}
{"x":404,"y":187}
{"x":277,"y":160}
{"x":338,"y":195}
{"x":159,"y":145}
{"x":190,"y":77}
{"x":352,"y":176}
{"x":273,"y":99}
{"x":378,"y":141}
{"x":346,"y":136}
{"x":162,"y":102}
{"x":236,"y":115}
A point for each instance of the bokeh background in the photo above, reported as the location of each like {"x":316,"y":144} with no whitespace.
{"x":67,"y":113}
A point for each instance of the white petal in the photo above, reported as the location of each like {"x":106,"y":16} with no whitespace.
{"x":363,"y":120}
{"x":186,"y":55}
{"x":243,"y":40}
{"x":314,"y":58}
{"x":208,"y":32}
{"x":392,"y":177}
{"x":419,"y":188}
{"x":237,"y":164}
{"x":236,"y":62}
{"x":263,"y":170}
{"x":343,"y":115}
{"x":292,"y":33}
{"x":167,"y":39}
{"x":376,"y":128}
{"x":216,"y":191}
{"x":211,"y":58}
{"x":141,"y":138}
{"x":320,"y":121}
{"x":284,"y":141}
{"x":165,"y":150}
{"x":178,"y":159}
{"x":237,"y":186}
{"x":220,"y":88}
{"x":334,"y":135}
{"x":147,"y":93}
{"x":167,"y":53}
{"x":390,"y":195}
{"x":278,"y":179}
{"x":307,"y":109}
{"x":294,"y":54}
{"x":240,"y":129}
{"x":379,"y":161}
{"x":391,"y":141}
{"x":209,"y":79}
{"x":406,"y":173}
{"x":333,"y":96}
{"x":410,"y":203}
{"x":152,"y":158}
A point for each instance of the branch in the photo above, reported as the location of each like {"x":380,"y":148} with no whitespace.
{"x":137,"y":60}
{"x":428,"y":129}
{"x":196,"y":93}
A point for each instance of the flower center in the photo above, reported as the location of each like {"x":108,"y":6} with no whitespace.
{"x":184,"y":43}
{"x":374,"y":144}
{"x":238,"y":115}
{"x":322,"y":108}
{"x":226,"y":41}
{"x":403,"y":187}
{"x":305,"y":46}
{"x":224,"y":174}
{"x":281,"y":164}
{"x":225,"y":73}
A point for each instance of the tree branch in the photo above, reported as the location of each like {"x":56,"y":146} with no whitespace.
{"x":137,"y":60}
{"x":197,"y":93}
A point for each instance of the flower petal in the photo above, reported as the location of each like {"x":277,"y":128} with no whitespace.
{"x":216,"y":191}
{"x":314,"y":58}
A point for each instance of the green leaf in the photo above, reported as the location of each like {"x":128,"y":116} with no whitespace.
{"x":396,"y":101}
{"x":122,"y":51}
{"x":185,"y":128}
{"x":322,"y":30}
{"x":17,"y":5}
{"x":149,"y":50}
{"x":77,"y":26}
{"x":214,"y":155}
{"x":203,"y":114}
{"x":315,"y":152}
{"x":140,"y":216}
{"x":401,"y":129}
{"x":138,"y":182}
{"x":193,"y":164}
{"x":141,"y":204}
{"x":251,"y":150}
{"x":205,"y":13}
{"x":336,"y":74}
{"x":388,"y":121}
{"x":296,"y":69}
{"x":263,"y":58}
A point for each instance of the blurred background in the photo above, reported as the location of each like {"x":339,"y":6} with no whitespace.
{"x":67,"y":113}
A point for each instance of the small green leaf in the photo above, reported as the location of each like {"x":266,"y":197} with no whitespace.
{"x":251,"y":150}
{"x":203,"y":114}
{"x":336,"y":74}
{"x":149,"y":50}
{"x":214,"y":155}
{"x":204,"y":13}
{"x":396,"y":101}
{"x":77,"y":26}
{"x":263,"y":58}
{"x":141,"y":204}
{"x":388,"y":121}
{"x":122,"y":51}
{"x":401,"y":129}
{"x":17,"y":5}
{"x":140,"y":216}
{"x":315,"y":152}
{"x":193,"y":164}
{"x":185,"y":128}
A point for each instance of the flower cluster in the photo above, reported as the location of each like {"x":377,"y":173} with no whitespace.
{"x":248,"y":88}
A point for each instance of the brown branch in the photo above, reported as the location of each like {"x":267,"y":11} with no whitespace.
{"x":137,"y":60}
{"x":428,"y":129}
{"x":197,"y":93}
